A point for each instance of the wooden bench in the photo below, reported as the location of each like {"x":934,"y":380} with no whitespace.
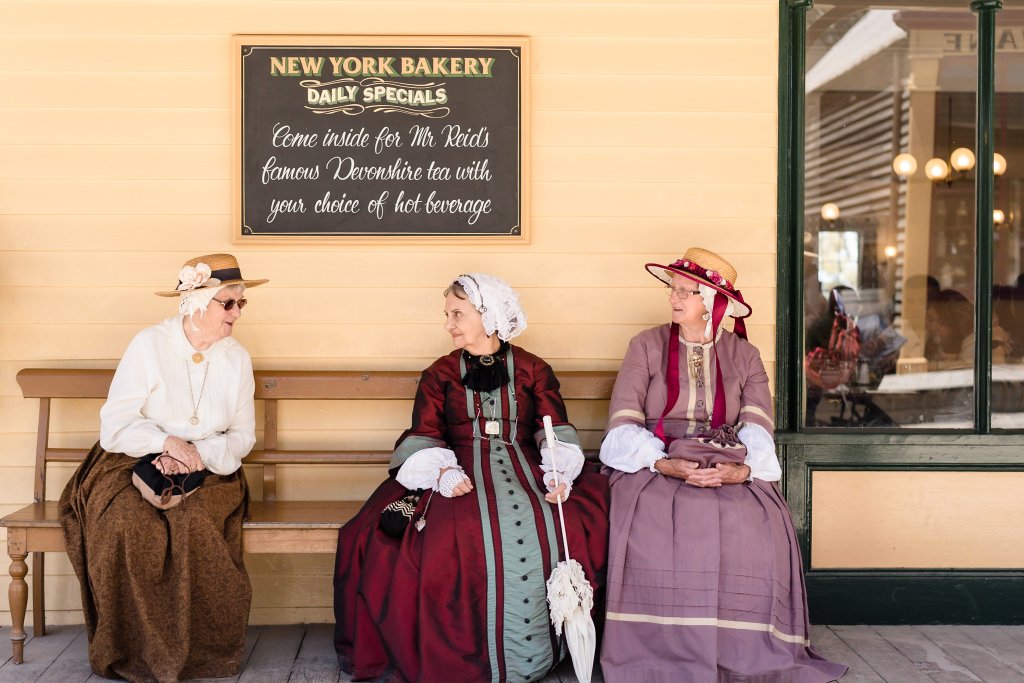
{"x":274,"y":526}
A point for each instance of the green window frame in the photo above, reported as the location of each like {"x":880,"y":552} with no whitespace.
{"x":790,"y":294}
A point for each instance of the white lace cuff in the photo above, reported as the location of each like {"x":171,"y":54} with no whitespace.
{"x":631,"y":448}
{"x":549,"y":481}
{"x":567,"y":459}
{"x":761,"y":457}
{"x":422,"y":468}
{"x":448,"y":481}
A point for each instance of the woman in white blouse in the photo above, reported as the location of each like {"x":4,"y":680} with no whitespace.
{"x":165,"y":592}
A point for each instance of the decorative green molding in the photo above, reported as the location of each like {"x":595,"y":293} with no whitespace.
{"x":789,"y":251}
{"x":916,"y":597}
{"x":783,"y":331}
{"x":984,"y":201}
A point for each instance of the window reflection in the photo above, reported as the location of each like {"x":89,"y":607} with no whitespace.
{"x":889,"y":247}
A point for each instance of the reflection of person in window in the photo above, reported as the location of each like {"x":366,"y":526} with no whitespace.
{"x":819,"y":331}
{"x":815,"y":303}
{"x":917,"y":291}
{"x":817,"y":336}
{"x":949,"y":323}
{"x":1008,"y":310}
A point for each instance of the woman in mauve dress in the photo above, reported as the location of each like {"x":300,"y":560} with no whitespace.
{"x":705,"y":581}
{"x":463,"y":597}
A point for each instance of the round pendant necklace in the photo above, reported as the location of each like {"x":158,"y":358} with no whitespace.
{"x":195,"y":404}
{"x":197,"y":358}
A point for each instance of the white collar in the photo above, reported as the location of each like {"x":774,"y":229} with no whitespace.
{"x":183,"y":347}
{"x":705,"y":345}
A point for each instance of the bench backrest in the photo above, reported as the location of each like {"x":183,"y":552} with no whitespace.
{"x":271,"y":387}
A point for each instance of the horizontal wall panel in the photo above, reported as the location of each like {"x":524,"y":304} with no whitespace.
{"x":648,"y":237}
{"x":196,"y":54}
{"x":552,"y":164}
{"x":549,"y":128}
{"x":212,"y":196}
{"x":150,"y":162}
{"x":357,"y":266}
{"x":404,"y":17}
{"x":550,"y":92}
{"x":352,"y":341}
{"x":646,"y":305}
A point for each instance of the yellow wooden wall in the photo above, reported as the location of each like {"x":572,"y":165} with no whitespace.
{"x":654,"y":128}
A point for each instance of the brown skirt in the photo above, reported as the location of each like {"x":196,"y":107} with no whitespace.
{"x":165,"y":594}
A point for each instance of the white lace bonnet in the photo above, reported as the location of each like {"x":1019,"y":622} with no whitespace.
{"x":497,"y":303}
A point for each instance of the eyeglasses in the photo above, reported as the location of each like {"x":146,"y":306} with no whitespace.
{"x":230,"y":303}
{"x":681,"y":293}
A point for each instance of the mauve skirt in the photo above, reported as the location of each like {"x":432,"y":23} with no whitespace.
{"x":705,"y":585}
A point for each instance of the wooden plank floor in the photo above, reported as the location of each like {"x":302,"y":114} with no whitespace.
{"x":305,"y":654}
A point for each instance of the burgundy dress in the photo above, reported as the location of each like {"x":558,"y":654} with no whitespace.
{"x":705,"y":585}
{"x":464,"y":599}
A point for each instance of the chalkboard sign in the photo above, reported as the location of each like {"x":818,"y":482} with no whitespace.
{"x":381,"y":136}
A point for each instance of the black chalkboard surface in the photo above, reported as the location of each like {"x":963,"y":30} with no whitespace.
{"x":381,"y":136}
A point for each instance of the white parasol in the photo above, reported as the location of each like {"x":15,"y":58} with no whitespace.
{"x":570,"y":596}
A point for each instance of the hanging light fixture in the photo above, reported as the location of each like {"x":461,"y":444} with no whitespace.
{"x":962,"y":159}
{"x":998,"y":217}
{"x":904,"y":165}
{"x":936,"y":169}
{"x":998,"y":164}
{"x":829,"y":211}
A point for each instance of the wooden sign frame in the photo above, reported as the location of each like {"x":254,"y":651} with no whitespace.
{"x":336,"y":49}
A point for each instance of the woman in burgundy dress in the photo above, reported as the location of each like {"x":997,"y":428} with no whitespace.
{"x":705,"y":581}
{"x":460,"y":596}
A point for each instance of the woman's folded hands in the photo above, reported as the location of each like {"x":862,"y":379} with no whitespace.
{"x":703,"y":477}
{"x":185,"y":453}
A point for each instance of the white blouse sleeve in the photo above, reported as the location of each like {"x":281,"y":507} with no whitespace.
{"x":421,"y":469}
{"x":631,"y":448}
{"x":761,"y":457}
{"x":222,"y":453}
{"x":123,"y":427}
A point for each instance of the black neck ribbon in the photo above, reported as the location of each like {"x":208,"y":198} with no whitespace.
{"x":486,"y":372}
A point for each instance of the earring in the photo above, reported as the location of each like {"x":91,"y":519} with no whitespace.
{"x":706,"y":316}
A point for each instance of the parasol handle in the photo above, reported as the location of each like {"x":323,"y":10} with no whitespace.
{"x":549,"y":433}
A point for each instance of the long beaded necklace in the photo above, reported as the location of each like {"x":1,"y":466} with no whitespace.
{"x":195,"y":404}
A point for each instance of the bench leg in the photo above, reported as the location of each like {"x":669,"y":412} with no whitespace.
{"x":17,"y":594}
{"x":38,"y":601}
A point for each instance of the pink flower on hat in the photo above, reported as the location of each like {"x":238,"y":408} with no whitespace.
{"x":711,"y":275}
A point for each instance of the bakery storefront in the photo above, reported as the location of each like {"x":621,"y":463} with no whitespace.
{"x":901,"y":405}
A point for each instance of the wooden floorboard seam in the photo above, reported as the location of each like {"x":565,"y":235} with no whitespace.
{"x":305,"y":654}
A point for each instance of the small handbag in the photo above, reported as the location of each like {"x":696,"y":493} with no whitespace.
{"x":164,"y":491}
{"x":395,"y":517}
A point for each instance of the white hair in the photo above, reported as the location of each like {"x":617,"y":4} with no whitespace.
{"x":197,"y":300}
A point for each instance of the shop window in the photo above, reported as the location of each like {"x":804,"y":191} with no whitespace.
{"x":890,"y":260}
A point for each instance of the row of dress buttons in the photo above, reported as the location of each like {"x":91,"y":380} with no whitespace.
{"x":511,"y":492}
